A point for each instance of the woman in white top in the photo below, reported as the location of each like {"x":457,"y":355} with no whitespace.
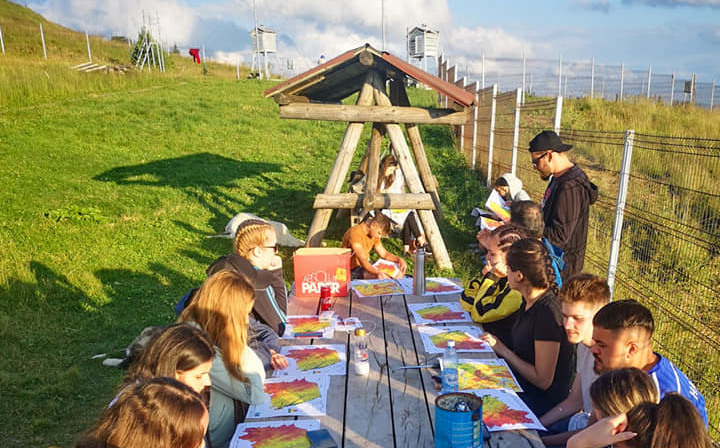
{"x":391,"y":180}
{"x":221,"y":308}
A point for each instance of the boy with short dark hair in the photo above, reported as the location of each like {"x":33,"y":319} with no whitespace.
{"x":364,"y":237}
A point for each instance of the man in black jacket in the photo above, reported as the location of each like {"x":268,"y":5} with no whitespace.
{"x":567,"y":199}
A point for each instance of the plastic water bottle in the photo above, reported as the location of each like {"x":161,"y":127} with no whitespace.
{"x":361,"y":362}
{"x":419,"y":274}
{"x":450,"y":369}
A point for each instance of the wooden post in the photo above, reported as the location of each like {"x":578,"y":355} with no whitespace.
{"x":340,"y":169}
{"x":42,"y":37}
{"x":432,"y":232}
{"x":373,"y":169}
{"x":416,"y":144}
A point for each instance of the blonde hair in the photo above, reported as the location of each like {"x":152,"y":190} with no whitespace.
{"x":158,"y":413}
{"x":251,"y":234}
{"x":221,"y":307}
{"x":618,"y":391}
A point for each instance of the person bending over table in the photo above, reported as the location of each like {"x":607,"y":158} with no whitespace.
{"x":541,"y":355}
{"x":364,"y":237}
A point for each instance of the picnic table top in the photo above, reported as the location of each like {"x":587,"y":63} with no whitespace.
{"x":389,"y":407}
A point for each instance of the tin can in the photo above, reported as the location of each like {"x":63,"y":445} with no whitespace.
{"x":325,"y":300}
{"x":458,"y":421}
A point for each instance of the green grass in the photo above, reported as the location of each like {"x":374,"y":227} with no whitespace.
{"x":108,"y":202}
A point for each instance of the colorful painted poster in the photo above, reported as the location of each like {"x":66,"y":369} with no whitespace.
{"x":440,"y":286}
{"x":293,"y":396}
{"x":284,"y":434}
{"x":438,"y":313}
{"x":388,"y":267}
{"x":486,"y":374}
{"x":467,"y":339}
{"x":374,"y":288}
{"x":433,"y":286}
{"x":503,"y":410}
{"x":313,"y":359}
{"x":307,"y":327}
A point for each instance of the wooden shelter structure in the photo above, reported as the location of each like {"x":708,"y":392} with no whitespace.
{"x":316,"y":95}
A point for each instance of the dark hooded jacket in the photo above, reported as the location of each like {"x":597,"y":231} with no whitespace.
{"x":566,"y":211}
{"x":270,"y":295}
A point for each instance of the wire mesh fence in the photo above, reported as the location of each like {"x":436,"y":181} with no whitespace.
{"x":579,"y":79}
{"x":668,"y":256}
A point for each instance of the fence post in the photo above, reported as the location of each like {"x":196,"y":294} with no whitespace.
{"x":592,"y":79}
{"x":523,"y":78}
{"x":491,"y":134}
{"x":620,"y":209}
{"x":2,"y":43}
{"x":558,"y":114}
{"x":692,"y":89}
{"x":516,"y":130}
{"x":476,"y":87}
{"x":559,"y":76}
{"x":462,"y":127}
{"x":622,"y":80}
{"x":649,"y":79}
{"x":42,"y":37}
{"x":87,"y":39}
{"x":672,"y":88}
{"x":483,"y":71}
{"x":712,"y":95}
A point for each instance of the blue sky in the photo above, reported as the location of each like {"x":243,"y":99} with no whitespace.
{"x":678,"y":36}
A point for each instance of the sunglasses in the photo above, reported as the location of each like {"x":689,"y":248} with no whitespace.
{"x":536,"y":161}
{"x":274,"y":248}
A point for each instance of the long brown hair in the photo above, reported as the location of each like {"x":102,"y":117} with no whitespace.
{"x":221,"y":307}
{"x":673,"y":423}
{"x":158,"y":413}
{"x":180,"y":347}
{"x":530,"y":257}
{"x":387,"y":161}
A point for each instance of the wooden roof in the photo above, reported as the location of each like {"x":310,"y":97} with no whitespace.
{"x":344,"y":75}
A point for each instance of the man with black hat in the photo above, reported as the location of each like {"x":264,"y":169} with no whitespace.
{"x":567,"y":199}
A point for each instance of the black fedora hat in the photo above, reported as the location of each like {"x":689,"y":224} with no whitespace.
{"x":548,"y":140}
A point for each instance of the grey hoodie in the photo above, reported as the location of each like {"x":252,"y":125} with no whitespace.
{"x":516,"y":188}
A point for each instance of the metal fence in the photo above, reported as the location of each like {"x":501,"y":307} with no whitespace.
{"x":552,"y":78}
{"x":654,"y":232}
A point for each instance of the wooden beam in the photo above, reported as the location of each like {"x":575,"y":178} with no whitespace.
{"x":419,"y":151}
{"x":415,"y":201}
{"x":372,"y":114}
{"x":373,"y":159}
{"x":340,"y":168}
{"x":397,"y":139}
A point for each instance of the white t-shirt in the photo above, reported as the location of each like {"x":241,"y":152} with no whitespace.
{"x":584,"y":369}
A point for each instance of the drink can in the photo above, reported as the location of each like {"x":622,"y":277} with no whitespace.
{"x":325,"y":300}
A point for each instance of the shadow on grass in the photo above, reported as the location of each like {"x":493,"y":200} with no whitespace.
{"x":209,"y":180}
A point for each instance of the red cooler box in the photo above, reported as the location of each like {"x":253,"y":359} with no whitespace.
{"x":321,"y":266}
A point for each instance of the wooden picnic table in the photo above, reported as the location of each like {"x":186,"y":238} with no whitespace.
{"x":388,"y":407}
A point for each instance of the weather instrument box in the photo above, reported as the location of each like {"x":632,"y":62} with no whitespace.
{"x":315,"y":267}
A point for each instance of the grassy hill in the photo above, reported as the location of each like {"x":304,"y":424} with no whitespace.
{"x":112,"y":182}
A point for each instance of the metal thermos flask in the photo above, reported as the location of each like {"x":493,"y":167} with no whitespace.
{"x":419,"y":276}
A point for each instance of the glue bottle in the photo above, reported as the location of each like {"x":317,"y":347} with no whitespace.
{"x":419,"y":274}
{"x":360,"y":352}
{"x":450,"y":369}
